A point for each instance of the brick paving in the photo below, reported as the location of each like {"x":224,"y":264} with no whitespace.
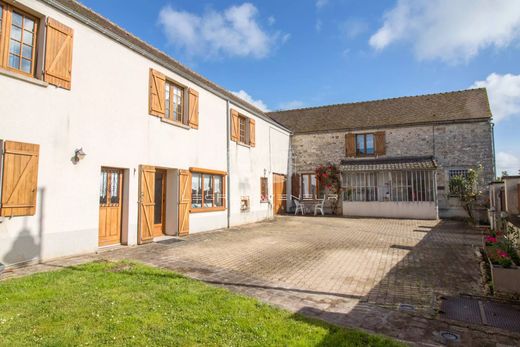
{"x":350,"y":272}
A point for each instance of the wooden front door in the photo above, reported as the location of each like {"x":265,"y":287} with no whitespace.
{"x":146,"y":203}
{"x":110,"y":206}
{"x":279,"y":194}
{"x":159,"y":202}
{"x":184,"y":202}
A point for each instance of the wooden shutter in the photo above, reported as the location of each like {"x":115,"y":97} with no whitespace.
{"x":146,"y":203}
{"x":252,"y":137}
{"x":235,"y":126}
{"x":350,"y":145}
{"x":380,"y":143}
{"x":156,"y":93}
{"x":193,"y":108}
{"x":184,"y":202}
{"x":20,"y":179}
{"x":58,"y":54}
{"x":295,"y":185}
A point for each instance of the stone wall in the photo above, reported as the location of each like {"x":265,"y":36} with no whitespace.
{"x":454,"y":146}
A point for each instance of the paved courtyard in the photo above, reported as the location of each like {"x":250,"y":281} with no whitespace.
{"x":351,"y":272}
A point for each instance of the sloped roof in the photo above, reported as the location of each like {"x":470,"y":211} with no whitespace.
{"x":455,"y":106}
{"x":389,"y":164}
{"x":87,"y":16}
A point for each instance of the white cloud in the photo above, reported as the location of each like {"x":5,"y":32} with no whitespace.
{"x":353,"y":27}
{"x":290,"y":105}
{"x":321,"y":3}
{"x":504,"y":95}
{"x":271,"y":20}
{"x":233,"y":32}
{"x":258,"y":103}
{"x":508,"y":162}
{"x":448,"y":30}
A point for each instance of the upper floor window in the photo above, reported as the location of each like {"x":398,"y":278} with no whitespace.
{"x":242,"y":129}
{"x":19,"y":46}
{"x":365,"y":144}
{"x":174,"y":102}
{"x":18,"y":32}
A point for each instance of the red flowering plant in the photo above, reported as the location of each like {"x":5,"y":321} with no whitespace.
{"x":490,"y":240}
{"x":498,"y":256}
{"x":328,"y":177}
{"x":499,"y":248}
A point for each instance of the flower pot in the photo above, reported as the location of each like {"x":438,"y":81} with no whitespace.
{"x":505,"y":280}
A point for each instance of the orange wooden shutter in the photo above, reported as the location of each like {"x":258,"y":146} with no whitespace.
{"x":193,"y":108}
{"x":20,"y":179}
{"x":58,"y":54}
{"x":295,"y":185}
{"x":380,"y":143}
{"x":252,"y":139}
{"x":350,"y":145}
{"x":146,"y":203}
{"x":235,"y":127}
{"x":156,"y":90}
{"x":184,"y":202}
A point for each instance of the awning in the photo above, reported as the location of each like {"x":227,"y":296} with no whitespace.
{"x":389,"y":164}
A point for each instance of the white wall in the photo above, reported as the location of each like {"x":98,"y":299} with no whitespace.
{"x":390,"y":209}
{"x":106,"y":113}
{"x":248,"y":164}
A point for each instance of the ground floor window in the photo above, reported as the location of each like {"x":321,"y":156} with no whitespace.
{"x":411,"y":185}
{"x":207,"y":190}
{"x":310,"y":187}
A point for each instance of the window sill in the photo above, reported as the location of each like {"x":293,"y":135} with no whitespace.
{"x":243,"y":144}
{"x":172,"y":122}
{"x":24,"y":78}
{"x":207,"y":209}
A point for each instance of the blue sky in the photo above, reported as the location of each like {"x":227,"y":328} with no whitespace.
{"x":290,"y":54}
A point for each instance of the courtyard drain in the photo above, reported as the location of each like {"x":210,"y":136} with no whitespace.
{"x":470,"y":310}
{"x":406,"y":307}
{"x":449,"y":336}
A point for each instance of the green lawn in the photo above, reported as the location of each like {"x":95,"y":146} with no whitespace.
{"x":126,"y":303}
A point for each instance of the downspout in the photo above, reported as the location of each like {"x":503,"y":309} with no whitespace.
{"x":493,"y":150}
{"x":228,"y":165}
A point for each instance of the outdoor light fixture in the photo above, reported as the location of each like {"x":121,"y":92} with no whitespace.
{"x":78,"y":155}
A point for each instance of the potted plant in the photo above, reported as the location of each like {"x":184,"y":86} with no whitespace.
{"x":504,"y":262}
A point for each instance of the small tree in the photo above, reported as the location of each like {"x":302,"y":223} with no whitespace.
{"x":466,"y":189}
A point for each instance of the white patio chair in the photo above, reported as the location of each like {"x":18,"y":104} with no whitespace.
{"x":299,"y":207}
{"x":319,"y":206}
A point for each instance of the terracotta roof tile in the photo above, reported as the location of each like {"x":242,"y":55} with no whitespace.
{"x":469,"y":104}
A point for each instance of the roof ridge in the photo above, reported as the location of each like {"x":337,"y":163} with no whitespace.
{"x":376,"y":100}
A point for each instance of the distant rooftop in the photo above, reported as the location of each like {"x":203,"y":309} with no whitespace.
{"x":455,"y":106}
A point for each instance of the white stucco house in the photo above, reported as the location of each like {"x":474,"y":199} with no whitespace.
{"x":107,"y":141}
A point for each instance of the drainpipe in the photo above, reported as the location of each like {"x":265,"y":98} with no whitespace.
{"x":493,"y":150}
{"x":228,"y":184}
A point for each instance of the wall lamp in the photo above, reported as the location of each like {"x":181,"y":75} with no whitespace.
{"x":78,"y":155}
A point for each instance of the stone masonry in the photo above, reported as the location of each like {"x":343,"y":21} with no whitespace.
{"x":461,"y":145}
